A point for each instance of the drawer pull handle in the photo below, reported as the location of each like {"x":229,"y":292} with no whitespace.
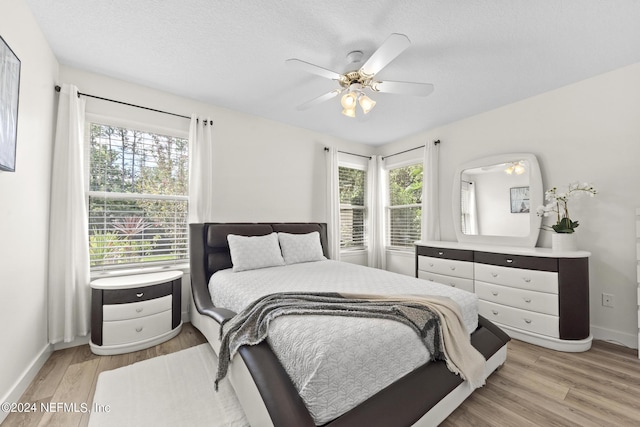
{"x":494,"y":293}
{"x":527,"y":300}
{"x":527,"y":321}
{"x":138,"y":310}
{"x":526,"y":279}
{"x":495,"y":312}
{"x":440,"y":253}
{"x":139,"y":329}
{"x":494,"y":274}
{"x":430,"y":264}
{"x":509,"y":261}
{"x":452,"y":268}
{"x":453,"y":285}
{"x":140,"y":294}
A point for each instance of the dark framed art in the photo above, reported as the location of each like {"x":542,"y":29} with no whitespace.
{"x":9,"y":91}
{"x":520,"y":202}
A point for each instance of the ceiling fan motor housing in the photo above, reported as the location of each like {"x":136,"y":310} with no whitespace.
{"x":354,"y":77}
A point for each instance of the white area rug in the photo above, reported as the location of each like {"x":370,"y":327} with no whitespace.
{"x":171,"y":390}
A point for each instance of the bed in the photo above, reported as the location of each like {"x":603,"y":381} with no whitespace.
{"x":425,"y":395}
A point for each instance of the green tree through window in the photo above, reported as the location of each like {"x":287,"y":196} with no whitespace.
{"x":404,"y":214}
{"x":138,"y":195}
{"x":352,"y":183}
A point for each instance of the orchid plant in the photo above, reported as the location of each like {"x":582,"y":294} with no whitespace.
{"x":559,"y":204}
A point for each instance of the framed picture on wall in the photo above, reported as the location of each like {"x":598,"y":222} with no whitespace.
{"x":520,"y":200}
{"x":9,"y":90}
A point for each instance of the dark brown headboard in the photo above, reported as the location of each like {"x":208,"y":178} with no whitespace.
{"x":209,"y":252}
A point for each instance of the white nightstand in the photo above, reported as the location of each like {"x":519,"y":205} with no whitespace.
{"x":130,"y":313}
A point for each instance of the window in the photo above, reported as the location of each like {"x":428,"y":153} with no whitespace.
{"x":404,"y":213}
{"x":353,"y":213}
{"x":138,"y":197}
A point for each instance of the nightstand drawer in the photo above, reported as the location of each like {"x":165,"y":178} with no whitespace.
{"x":456,"y":282}
{"x":540,"y":302}
{"x":539,"y":323}
{"x":124,"y":296}
{"x":541,"y":281}
{"x":135,"y":330}
{"x":447,"y":267}
{"x":135,"y":309}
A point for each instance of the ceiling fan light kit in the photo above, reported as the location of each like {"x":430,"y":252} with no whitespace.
{"x":355,"y":82}
{"x":366,"y":103}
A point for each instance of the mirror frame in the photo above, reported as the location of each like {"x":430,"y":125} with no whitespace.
{"x":536,"y":196}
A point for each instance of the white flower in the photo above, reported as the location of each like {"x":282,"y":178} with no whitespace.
{"x":559,"y":204}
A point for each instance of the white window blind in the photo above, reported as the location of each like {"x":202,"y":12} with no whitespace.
{"x":404,"y":212}
{"x":353,"y":213}
{"x":138,"y":197}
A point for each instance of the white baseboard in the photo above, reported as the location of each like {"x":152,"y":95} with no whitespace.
{"x":76,"y":342}
{"x":17,"y":390}
{"x":615,"y":337}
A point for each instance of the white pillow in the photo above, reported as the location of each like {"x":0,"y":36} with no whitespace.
{"x":301,"y":247}
{"x":252,"y":252}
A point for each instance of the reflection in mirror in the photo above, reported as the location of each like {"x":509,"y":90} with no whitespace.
{"x":493,"y":198}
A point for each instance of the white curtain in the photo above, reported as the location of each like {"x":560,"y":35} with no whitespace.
{"x":200,"y":170}
{"x":333,"y":203}
{"x":376,"y":197}
{"x":430,"y":193}
{"x":69,"y":292}
{"x":468,"y":208}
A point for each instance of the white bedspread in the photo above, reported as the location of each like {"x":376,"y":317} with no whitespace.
{"x":338,"y":362}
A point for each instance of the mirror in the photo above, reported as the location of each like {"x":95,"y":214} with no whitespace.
{"x":495,"y":200}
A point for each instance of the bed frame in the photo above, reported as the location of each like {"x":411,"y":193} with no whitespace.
{"x":424,"y":397}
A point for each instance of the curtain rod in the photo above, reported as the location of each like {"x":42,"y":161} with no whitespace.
{"x":437,"y":141}
{"x":130,"y":105}
{"x":351,"y":154}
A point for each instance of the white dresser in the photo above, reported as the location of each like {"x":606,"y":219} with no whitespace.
{"x":534,"y":294}
{"x":130,"y":313}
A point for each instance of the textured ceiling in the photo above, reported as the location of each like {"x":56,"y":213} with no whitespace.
{"x":479,"y":54}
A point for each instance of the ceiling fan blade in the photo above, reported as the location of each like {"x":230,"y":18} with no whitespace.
{"x":320,"y":99}
{"x":403,"y":88}
{"x":313,"y":69}
{"x":393,"y":46}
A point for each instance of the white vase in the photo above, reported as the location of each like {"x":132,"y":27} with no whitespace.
{"x":563,"y":242}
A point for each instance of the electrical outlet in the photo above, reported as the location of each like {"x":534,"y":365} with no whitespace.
{"x":607,"y":300}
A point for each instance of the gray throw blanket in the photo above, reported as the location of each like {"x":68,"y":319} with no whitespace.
{"x":422,"y":314}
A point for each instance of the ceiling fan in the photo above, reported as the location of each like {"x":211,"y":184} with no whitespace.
{"x":357,"y":83}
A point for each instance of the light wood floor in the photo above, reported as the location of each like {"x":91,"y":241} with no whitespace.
{"x":535,"y":387}
{"x":542,"y":387}
{"x":70,"y":375}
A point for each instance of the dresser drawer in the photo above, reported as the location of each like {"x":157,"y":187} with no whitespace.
{"x":541,"y":281}
{"x":539,"y":323}
{"x":456,"y":282}
{"x":135,"y":330}
{"x":447,"y":267}
{"x":540,"y":302}
{"x":517,"y":261}
{"x":136,"y":309}
{"x":457,"y":254}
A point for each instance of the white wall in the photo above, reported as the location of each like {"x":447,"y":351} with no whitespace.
{"x":587,"y":131}
{"x":24,"y":211}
